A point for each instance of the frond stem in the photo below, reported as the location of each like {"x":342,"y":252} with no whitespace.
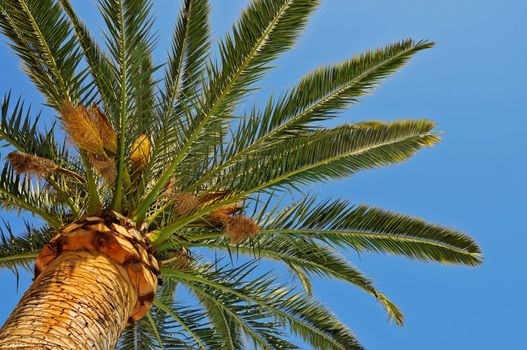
{"x":150,"y":198}
{"x":166,"y":309}
{"x":256,"y":144}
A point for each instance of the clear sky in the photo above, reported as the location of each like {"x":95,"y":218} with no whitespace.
{"x":474,"y":84}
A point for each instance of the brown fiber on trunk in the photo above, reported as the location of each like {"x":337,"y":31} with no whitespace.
{"x":80,"y":301}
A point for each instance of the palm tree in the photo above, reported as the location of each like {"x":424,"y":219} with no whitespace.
{"x":153,"y":177}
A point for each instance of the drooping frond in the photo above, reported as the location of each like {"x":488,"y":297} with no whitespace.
{"x":226,"y":323}
{"x":193,"y":323}
{"x":298,"y":312}
{"x":373,"y":230}
{"x":305,"y":255}
{"x":21,"y":250}
{"x":160,"y":330}
{"x":138,"y":337}
{"x":41,"y":36}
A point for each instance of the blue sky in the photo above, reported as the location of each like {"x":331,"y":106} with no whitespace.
{"x":473,"y":83}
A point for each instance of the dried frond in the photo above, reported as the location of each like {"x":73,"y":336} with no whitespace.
{"x":106,"y":131}
{"x":185,"y":203}
{"x":81,"y":128}
{"x":240,"y":227}
{"x":25,"y":163}
{"x":180,"y":260}
{"x":105,"y":167}
{"x":170,"y":189}
{"x":140,"y":154}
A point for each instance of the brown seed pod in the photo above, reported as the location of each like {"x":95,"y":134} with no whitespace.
{"x":106,"y":131}
{"x":218,"y":215}
{"x":185,"y":203}
{"x":25,"y":163}
{"x":240,"y":227}
{"x":211,"y":196}
{"x":81,"y":128}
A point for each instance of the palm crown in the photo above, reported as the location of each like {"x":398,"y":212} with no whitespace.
{"x":176,"y":158}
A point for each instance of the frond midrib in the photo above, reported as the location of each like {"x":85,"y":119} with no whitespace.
{"x":178,"y":319}
{"x":358,"y":233}
{"x":31,"y":255}
{"x":169,"y":229}
{"x":251,"y":299}
{"x":207,"y":115}
{"x":290,"y":121}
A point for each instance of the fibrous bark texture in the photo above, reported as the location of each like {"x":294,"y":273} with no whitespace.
{"x":92,"y":279}
{"x":80,"y":301}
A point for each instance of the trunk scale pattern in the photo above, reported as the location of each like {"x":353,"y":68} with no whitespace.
{"x":92,"y":279}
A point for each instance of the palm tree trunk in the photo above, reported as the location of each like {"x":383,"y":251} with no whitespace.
{"x":81,"y":301}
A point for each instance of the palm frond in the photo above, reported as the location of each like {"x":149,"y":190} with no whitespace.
{"x":138,"y":337}
{"x":229,"y":326}
{"x":21,"y":250}
{"x":100,"y":68}
{"x":266,"y":29}
{"x":318,"y":96}
{"x":160,"y":331}
{"x":331,"y":153}
{"x":192,"y":321}
{"x":19,"y":193}
{"x":190,"y":46}
{"x":306,"y":256}
{"x":129,"y":39}
{"x":182,"y":80}
{"x":23,"y":132}
{"x":234,"y":323}
{"x":294,"y":310}
{"x":327,"y":90}
{"x":366,"y":229}
{"x":41,"y":36}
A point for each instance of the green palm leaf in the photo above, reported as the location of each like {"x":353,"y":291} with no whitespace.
{"x":373,"y":230}
{"x":266,"y":28}
{"x":100,"y":68}
{"x":306,"y":256}
{"x":203,"y":168}
{"x":333,"y":153}
{"x":41,"y":37}
{"x":20,"y":193}
{"x":21,"y":251}
{"x":318,"y":96}
{"x":23,"y":132}
{"x":183,"y":75}
{"x":304,"y":317}
{"x":129,"y":39}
